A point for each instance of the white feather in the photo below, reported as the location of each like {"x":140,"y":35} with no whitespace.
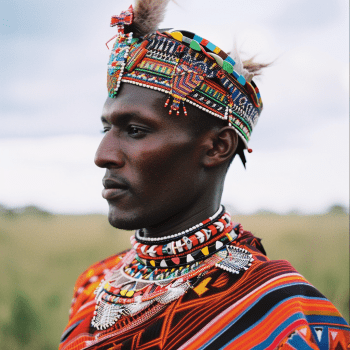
{"x":238,"y":67}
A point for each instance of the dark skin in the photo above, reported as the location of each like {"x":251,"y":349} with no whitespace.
{"x":164,"y":173}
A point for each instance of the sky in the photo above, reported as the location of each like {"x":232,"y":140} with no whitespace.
{"x":53,"y":63}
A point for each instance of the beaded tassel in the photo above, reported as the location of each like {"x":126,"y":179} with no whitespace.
{"x":175,"y":106}
{"x":167,"y":102}
{"x":184,"y":108}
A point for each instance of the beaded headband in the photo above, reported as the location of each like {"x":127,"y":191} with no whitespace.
{"x":187,"y":67}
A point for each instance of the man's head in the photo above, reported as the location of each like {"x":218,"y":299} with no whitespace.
{"x":157,"y":164}
{"x":160,"y":161}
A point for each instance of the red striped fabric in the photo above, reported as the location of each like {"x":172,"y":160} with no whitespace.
{"x":270,"y":306}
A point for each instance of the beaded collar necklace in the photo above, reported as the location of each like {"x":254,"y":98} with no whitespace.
{"x":139,"y":237}
{"x":188,"y":246}
{"x":157,"y":274}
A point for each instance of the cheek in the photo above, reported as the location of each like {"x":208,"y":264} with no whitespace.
{"x":164,"y":167}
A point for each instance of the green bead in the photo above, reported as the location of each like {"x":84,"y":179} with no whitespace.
{"x":195,"y":45}
{"x":228,"y":67}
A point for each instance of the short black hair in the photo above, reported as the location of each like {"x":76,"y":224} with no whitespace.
{"x":202,"y":122}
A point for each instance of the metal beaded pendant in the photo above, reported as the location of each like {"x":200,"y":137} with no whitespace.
{"x":110,"y":308}
{"x":109,"y":313}
{"x":238,"y":259}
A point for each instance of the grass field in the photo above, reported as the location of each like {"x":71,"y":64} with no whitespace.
{"x":42,"y":255}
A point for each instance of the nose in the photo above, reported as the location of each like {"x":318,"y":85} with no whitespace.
{"x":109,"y":153}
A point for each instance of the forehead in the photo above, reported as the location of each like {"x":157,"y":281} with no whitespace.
{"x":132,"y":99}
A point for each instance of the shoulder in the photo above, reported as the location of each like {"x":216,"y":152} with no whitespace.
{"x":89,"y":280}
{"x":271,"y":304}
{"x":274,"y":282}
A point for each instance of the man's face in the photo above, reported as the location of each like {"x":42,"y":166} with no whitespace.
{"x":152,"y":160}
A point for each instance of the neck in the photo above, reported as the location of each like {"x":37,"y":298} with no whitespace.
{"x":197,"y":212}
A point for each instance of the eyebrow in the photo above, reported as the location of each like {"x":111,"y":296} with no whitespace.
{"x":123,"y":118}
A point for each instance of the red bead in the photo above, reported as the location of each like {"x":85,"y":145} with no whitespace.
{"x":213,"y":229}
{"x":250,"y":150}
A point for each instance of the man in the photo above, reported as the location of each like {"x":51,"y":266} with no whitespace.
{"x":179,"y":110}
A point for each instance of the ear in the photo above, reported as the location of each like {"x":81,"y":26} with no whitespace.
{"x":221,"y":147}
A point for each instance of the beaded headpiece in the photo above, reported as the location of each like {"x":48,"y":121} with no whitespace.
{"x":187,"y":67}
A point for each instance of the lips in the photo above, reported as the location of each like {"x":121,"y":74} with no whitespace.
{"x":113,"y":188}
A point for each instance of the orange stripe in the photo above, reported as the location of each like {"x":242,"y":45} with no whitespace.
{"x":261,"y":331}
{"x":82,"y":314}
{"x":264,"y":328}
{"x":226,"y":319}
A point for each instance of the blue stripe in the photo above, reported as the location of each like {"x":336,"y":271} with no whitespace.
{"x":241,"y":80}
{"x":210,"y":46}
{"x":197,"y":38}
{"x":235,"y":74}
{"x":326,"y":319}
{"x":297,"y":342}
{"x":230,"y":60}
{"x":323,"y":342}
{"x":252,"y":305}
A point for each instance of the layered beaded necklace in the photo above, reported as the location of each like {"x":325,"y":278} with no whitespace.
{"x":157,"y":271}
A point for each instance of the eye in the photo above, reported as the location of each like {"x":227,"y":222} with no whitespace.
{"x":136,"y":132}
{"x":105,"y":129}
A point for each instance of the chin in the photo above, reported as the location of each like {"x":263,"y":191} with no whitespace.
{"x":124,"y":220}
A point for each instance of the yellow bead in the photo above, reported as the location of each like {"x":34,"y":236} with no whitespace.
{"x":205,"y":251}
{"x":177,"y":35}
{"x":152,"y":262}
{"x":217,"y":50}
{"x":123,"y":292}
{"x":130,"y":293}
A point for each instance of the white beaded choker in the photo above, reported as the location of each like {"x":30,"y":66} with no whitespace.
{"x":182,"y":233}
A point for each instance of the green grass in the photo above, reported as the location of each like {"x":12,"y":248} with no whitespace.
{"x":41,"y":256}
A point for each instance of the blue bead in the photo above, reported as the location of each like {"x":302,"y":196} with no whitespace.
{"x":231,"y":60}
{"x":235,"y":74}
{"x":197,"y":38}
{"x":258,"y":94}
{"x":210,"y":46}
{"x":241,"y":80}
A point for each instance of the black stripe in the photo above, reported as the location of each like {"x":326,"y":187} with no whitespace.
{"x":264,"y":305}
{"x":67,"y":333}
